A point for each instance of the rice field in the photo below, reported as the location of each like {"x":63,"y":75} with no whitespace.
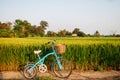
{"x":84,"y":53}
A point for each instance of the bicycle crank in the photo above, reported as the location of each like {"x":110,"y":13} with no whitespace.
{"x":42,"y":68}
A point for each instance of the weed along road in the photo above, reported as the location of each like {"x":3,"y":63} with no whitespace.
{"x":76,"y":75}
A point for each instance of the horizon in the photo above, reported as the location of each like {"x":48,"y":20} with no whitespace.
{"x":88,"y":15}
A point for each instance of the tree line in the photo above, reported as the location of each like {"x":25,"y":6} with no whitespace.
{"x":23,"y":28}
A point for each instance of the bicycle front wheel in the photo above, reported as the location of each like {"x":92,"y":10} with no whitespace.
{"x":66,"y":68}
{"x":29,"y":74}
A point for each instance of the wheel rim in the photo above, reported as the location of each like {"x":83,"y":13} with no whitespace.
{"x":30,"y":74}
{"x":66,"y":71}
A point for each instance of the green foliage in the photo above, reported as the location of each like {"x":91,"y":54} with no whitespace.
{"x":85,"y":53}
{"x":44,"y":24}
{"x":62,"y":33}
{"x":6,"y":33}
{"x":97,"y":34}
{"x":24,"y":29}
{"x":5,"y":25}
{"x":51,"y":34}
{"x":78,"y":32}
{"x":81,"y":34}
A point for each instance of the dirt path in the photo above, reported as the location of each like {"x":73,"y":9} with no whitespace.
{"x":76,"y":75}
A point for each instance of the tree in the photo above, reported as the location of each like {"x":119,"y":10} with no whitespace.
{"x":5,"y":25}
{"x":118,"y":35}
{"x":18,"y":25}
{"x":40,"y":31}
{"x":22,"y":27}
{"x":51,"y":34}
{"x":81,"y":34}
{"x":97,"y":34}
{"x":76,"y":30}
{"x":62,"y":33}
{"x":5,"y":30}
{"x":7,"y":33}
{"x":44,"y":24}
{"x":19,"y":28}
{"x":68,"y":33}
{"x":33,"y":30}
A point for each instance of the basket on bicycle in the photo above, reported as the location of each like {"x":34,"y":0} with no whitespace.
{"x":60,"y":48}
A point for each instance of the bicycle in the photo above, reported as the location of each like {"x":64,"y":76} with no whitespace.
{"x":61,"y":67}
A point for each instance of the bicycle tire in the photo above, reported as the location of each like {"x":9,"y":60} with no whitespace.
{"x":29,"y":75}
{"x":67,"y":68}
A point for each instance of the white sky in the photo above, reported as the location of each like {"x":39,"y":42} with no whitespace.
{"x":88,"y":15}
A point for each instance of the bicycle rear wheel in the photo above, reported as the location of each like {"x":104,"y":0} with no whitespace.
{"x":29,"y":74}
{"x":67,"y":68}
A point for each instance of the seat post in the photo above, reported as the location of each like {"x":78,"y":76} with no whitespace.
{"x":38,"y":56}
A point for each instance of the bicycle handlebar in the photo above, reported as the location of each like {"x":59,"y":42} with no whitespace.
{"x":51,"y":43}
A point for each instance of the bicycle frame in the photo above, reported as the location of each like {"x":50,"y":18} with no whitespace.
{"x":41,"y":60}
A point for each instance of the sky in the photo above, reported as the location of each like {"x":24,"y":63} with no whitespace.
{"x":88,"y":15}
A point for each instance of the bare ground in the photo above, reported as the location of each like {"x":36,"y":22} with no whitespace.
{"x":76,"y":75}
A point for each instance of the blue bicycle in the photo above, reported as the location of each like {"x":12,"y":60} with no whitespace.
{"x":61,"y":67}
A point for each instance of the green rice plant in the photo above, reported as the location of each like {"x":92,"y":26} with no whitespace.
{"x":84,"y":53}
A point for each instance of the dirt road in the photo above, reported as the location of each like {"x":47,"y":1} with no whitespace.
{"x":76,"y":75}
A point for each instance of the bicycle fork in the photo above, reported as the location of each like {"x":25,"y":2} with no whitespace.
{"x":59,"y":63}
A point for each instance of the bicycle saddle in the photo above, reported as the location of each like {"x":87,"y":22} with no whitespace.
{"x":37,"y":52}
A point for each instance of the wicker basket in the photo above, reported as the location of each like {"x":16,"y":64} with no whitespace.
{"x":60,"y":48}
